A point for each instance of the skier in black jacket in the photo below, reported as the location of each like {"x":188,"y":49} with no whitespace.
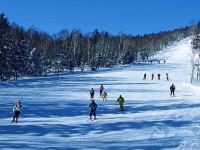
{"x":172,"y":90}
{"x":167,"y":76}
{"x":159,"y":76}
{"x":92,"y":93}
{"x":152,"y":76}
{"x":93,"y":107}
{"x":145,"y":76}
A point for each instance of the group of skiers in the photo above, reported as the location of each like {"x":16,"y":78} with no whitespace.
{"x":158,"y":75}
{"x":120,"y":100}
{"x":92,"y":106}
{"x":172,"y":87}
{"x":104,"y":95}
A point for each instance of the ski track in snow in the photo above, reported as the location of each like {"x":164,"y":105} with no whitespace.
{"x":55,"y":109}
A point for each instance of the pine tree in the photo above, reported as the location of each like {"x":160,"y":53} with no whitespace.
{"x":6,"y":49}
{"x":36,"y":63}
{"x":20,"y":61}
{"x":196,"y":55}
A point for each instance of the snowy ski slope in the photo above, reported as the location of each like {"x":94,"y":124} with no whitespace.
{"x":55,"y":109}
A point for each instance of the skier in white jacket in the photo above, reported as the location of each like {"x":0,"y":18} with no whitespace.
{"x":17,"y":110}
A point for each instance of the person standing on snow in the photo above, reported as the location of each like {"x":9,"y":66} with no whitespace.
{"x":145,"y":76}
{"x":93,"y":107}
{"x":104,"y":96}
{"x":159,"y":76}
{"x":17,"y":110}
{"x":172,"y":90}
{"x":101,"y":88}
{"x":92,"y":93}
{"x":167,"y":76}
{"x":120,"y":100}
{"x":152,"y":76}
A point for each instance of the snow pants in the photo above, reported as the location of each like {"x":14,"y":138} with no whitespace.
{"x":92,"y":95}
{"x":121,"y":105}
{"x":101,"y":91}
{"x":104,"y":98}
{"x":172,"y":93}
{"x":16,"y":116}
{"x":92,"y":113}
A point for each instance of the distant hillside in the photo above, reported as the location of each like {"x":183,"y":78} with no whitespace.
{"x":35,"y":53}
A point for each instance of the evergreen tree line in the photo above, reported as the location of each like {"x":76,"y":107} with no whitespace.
{"x":34,"y":53}
{"x":196,"y":54}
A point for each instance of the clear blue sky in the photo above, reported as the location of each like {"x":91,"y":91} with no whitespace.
{"x":129,"y":16}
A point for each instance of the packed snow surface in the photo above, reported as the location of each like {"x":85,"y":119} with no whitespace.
{"x":55,"y":109}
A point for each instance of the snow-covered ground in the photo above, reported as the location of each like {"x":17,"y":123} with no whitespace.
{"x":55,"y":109}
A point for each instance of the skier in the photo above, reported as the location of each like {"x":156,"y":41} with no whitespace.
{"x":16,"y":110}
{"x":167,"y":76}
{"x":152,"y":76}
{"x":120,"y":100}
{"x":93,"y":107}
{"x":92,"y":93}
{"x":145,"y":76}
{"x":104,"y":95}
{"x":164,"y":61}
{"x":159,"y":76}
{"x":101,"y":88}
{"x":172,"y":90}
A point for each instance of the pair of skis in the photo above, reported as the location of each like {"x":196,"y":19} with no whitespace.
{"x":92,"y":119}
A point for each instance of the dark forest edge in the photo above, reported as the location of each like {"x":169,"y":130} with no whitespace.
{"x":34,"y":53}
{"x":195,"y":75}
